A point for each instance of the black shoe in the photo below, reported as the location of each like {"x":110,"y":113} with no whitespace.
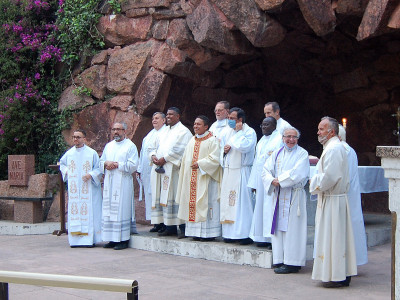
{"x":197,"y":239}
{"x":207,"y":239}
{"x":230,"y":241}
{"x":337,"y":284}
{"x":122,"y":245}
{"x":162,"y":229}
{"x":167,"y":232}
{"x":286,"y":269}
{"x":110,"y":245}
{"x":246,"y":241}
{"x":181,"y":235}
{"x":277,"y":266}
{"x":156,"y":227}
{"x":265,"y":245}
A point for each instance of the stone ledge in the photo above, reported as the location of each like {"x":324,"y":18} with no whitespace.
{"x":13,"y":228}
{"x":388,"y":151}
{"x":215,"y":251}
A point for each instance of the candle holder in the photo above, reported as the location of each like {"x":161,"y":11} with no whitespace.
{"x":397,"y":132}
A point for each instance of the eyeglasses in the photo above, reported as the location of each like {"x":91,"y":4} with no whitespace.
{"x":77,"y":137}
{"x":289,"y":137}
{"x":117,"y":129}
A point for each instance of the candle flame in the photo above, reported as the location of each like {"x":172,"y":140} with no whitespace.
{"x":344,"y":122}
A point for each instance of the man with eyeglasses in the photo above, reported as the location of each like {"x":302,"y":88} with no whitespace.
{"x":284,"y":175}
{"x":221,"y":113}
{"x":79,"y":166}
{"x":237,"y":202}
{"x":118,"y":162}
{"x":260,"y":231}
{"x":335,"y":257}
{"x":144,"y":168}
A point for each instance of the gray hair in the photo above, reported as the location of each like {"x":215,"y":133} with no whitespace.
{"x":123,"y":125}
{"x":159,"y":113}
{"x":291,"y":128}
{"x":333,"y":124}
{"x":225,"y":103}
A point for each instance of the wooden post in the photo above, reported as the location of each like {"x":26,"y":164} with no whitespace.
{"x":62,"y":201}
{"x":3,"y":291}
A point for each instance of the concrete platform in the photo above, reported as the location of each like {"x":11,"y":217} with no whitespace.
{"x":378,"y":230}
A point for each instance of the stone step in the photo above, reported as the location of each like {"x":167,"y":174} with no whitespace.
{"x":377,"y":227}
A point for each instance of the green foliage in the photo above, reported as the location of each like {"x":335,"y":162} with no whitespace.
{"x":78,"y":35}
{"x":115,"y":6}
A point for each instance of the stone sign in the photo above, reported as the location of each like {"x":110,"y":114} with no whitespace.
{"x":20,"y":167}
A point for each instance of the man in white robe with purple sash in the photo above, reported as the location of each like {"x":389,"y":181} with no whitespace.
{"x":118,"y":162}
{"x":199,"y":187}
{"x":144,"y":168}
{"x":260,"y":231}
{"x":79,"y":166}
{"x":165,"y":156}
{"x":237,"y":201}
{"x":284,"y":175}
{"x":354,"y":197}
{"x":335,"y":256}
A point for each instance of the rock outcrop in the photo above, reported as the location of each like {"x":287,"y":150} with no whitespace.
{"x":338,"y":58}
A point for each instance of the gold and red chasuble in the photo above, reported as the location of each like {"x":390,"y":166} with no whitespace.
{"x":193,"y":177}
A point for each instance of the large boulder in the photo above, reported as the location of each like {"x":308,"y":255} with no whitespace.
{"x":120,"y":30}
{"x":212,"y":29}
{"x":95,"y":80}
{"x":319,"y":15}
{"x":259,"y":28}
{"x":71,"y":99}
{"x":126,"y":65}
{"x":152,"y":93}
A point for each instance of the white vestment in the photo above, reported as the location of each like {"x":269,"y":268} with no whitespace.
{"x":292,"y":168}
{"x":354,"y":198}
{"x":335,"y":256}
{"x":262,"y":217}
{"x":118,"y":194}
{"x":84,"y":198}
{"x":219,"y":127}
{"x":237,"y":201}
{"x":281,"y":124}
{"x":170,"y":145}
{"x":144,"y":167}
{"x":199,"y":189}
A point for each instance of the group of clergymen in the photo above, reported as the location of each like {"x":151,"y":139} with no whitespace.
{"x":222,"y":183}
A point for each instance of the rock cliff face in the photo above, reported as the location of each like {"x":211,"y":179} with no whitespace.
{"x":339,"y":58}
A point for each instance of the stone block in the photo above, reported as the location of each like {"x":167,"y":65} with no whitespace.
{"x":28,"y":211}
{"x":20,"y":168}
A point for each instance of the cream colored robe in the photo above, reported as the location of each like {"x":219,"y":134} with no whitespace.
{"x":192,"y":194}
{"x":335,"y":256}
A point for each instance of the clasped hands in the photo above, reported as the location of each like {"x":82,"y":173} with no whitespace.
{"x":275,"y":182}
{"x":159,"y":162}
{"x":110,"y":165}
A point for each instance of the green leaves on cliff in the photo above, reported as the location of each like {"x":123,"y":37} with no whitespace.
{"x":78,"y":35}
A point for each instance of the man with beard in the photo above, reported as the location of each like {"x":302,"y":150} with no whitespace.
{"x":79,"y":165}
{"x":165,"y":155}
{"x":260,"y":231}
{"x":118,"y":162}
{"x":335,"y":258}
{"x":144,"y":168}
{"x":284,"y":175}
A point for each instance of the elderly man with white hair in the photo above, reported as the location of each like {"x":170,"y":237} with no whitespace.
{"x":354,"y":198}
{"x":285,"y":174}
{"x":335,"y":257}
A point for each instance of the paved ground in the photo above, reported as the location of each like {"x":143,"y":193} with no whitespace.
{"x":163,"y":276}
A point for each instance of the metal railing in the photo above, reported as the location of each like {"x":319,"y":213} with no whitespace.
{"x":130,"y":287}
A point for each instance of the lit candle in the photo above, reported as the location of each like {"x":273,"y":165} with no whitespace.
{"x":344,"y":122}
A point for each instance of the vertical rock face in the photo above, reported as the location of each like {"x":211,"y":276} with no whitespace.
{"x":304,"y":54}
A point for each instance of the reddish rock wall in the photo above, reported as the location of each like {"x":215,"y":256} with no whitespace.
{"x":338,"y":58}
